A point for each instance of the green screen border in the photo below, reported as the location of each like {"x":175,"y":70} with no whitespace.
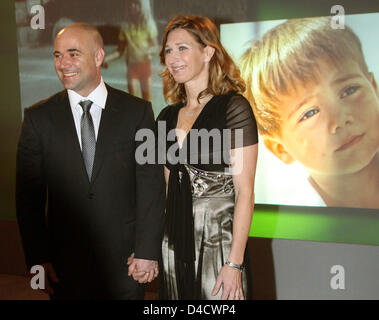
{"x":326,"y":224}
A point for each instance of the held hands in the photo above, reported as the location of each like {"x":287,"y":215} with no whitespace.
{"x":230,"y":280}
{"x":142,"y":270}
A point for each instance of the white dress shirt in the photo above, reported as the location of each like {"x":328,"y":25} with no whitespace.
{"x":98,"y":98}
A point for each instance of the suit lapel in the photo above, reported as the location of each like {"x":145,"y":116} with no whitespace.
{"x":66,"y":126}
{"x":107,"y":132}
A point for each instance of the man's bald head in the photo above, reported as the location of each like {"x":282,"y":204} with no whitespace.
{"x":91,"y":31}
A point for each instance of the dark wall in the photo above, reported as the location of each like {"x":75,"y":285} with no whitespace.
{"x":10,"y":110}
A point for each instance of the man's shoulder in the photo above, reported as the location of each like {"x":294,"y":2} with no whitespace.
{"x":126,"y":100}
{"x":48,"y":103}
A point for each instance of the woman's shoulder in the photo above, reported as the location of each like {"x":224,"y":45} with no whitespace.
{"x":233,"y":102}
{"x":237,"y":100}
{"x":167,"y":112}
{"x":236,"y":104}
{"x":231,"y":98}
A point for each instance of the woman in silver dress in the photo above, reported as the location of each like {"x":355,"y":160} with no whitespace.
{"x":210,"y":185}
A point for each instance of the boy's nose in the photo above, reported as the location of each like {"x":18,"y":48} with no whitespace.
{"x":338,"y":119}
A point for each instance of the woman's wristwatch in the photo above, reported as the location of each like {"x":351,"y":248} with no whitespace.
{"x":239,"y":267}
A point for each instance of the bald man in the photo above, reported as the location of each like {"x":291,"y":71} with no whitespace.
{"x":84,"y":205}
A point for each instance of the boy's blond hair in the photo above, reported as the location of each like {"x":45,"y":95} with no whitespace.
{"x":289,"y":55}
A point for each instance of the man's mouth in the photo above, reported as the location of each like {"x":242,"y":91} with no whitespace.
{"x":69,"y":74}
{"x":351,"y":141}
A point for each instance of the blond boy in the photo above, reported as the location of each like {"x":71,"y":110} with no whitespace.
{"x":316,"y":103}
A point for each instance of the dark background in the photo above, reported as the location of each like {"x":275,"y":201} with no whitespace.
{"x":11,"y":260}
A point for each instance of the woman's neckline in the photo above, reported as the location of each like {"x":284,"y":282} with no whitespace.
{"x":181,"y":105}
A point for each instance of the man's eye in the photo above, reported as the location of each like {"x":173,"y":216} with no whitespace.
{"x":74,"y":54}
{"x":349,"y":91}
{"x":309,"y":114}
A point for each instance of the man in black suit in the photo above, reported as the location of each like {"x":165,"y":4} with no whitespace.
{"x":76,"y":162}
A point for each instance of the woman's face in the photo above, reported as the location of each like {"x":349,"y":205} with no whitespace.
{"x":185,"y":58}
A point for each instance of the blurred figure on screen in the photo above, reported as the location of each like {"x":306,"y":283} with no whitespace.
{"x":316,"y":102}
{"x":138,"y":42}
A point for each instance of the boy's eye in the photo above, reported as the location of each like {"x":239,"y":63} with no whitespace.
{"x":309,"y":114}
{"x":349,"y":91}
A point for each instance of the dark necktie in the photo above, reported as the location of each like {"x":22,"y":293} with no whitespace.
{"x":88,"y":136}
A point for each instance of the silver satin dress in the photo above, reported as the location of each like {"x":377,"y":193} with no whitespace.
{"x":212,"y":194}
{"x":213,"y":208}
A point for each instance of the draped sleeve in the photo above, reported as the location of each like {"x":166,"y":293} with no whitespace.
{"x":240,"y":119}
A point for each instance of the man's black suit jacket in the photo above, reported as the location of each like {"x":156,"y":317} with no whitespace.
{"x":91,"y":227}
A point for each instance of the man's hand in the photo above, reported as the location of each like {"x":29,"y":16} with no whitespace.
{"x":142,"y":270}
{"x":50,"y":275}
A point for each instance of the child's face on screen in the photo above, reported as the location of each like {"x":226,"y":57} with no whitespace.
{"x":331,"y":127}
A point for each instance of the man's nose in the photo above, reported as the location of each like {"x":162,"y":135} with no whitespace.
{"x":65,"y":61}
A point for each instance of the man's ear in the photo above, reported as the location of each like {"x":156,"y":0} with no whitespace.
{"x":99,"y":57}
{"x":277,"y":148}
{"x":209,"y":52}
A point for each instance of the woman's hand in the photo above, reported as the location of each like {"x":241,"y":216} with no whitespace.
{"x":231,"y":281}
